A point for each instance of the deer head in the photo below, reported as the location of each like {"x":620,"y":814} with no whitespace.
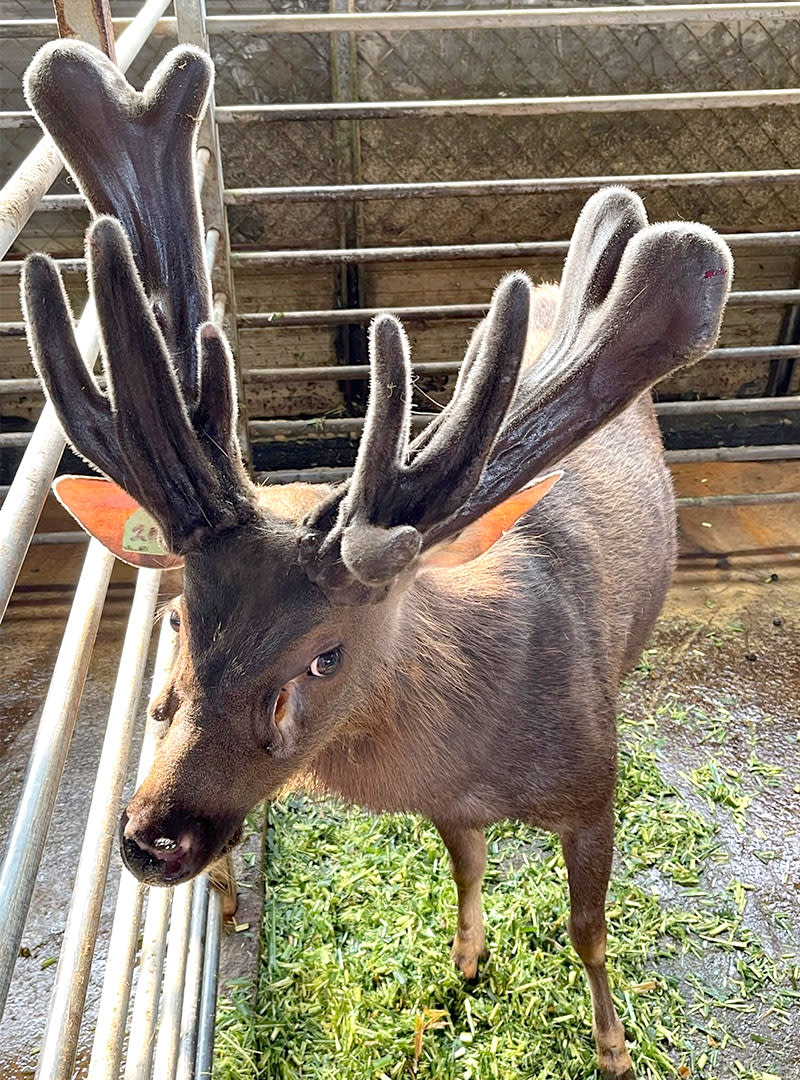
{"x":292,"y":596}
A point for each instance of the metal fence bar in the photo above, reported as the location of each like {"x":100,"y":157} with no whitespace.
{"x":395,"y":21}
{"x":784,"y":452}
{"x":763,"y":498}
{"x":435,"y":312}
{"x":141,"y":1042}
{"x":26,"y":496}
{"x":790,"y":403}
{"x":208,"y":990}
{"x":529,"y":106}
{"x":169,"y":1029}
{"x":253,"y":196}
{"x":114,"y":1001}
{"x":187,"y":1049}
{"x":250,"y":196}
{"x":57,"y":1056}
{"x":251,"y":260}
{"x":20,"y":196}
{"x":34,"y":810}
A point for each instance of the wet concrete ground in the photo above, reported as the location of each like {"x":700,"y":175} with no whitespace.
{"x":721,"y":676}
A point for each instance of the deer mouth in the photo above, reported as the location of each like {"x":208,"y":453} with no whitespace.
{"x":169,"y":857}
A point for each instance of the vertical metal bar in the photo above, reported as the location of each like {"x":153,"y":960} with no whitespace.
{"x":191,"y":24}
{"x":351,"y":340}
{"x":169,"y":1029}
{"x":208,"y":991}
{"x":194,"y":976}
{"x":57,"y":1055}
{"x":35,"y":808}
{"x":89,"y":20}
{"x":113,"y":1011}
{"x":148,"y":989}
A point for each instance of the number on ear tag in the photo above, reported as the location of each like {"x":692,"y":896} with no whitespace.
{"x":111,"y":516}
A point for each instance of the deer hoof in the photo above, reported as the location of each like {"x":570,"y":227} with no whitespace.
{"x":616,"y":1065}
{"x":466,"y":955}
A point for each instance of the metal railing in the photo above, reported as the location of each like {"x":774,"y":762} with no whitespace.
{"x":175,"y":971}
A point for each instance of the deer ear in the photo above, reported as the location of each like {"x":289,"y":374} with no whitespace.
{"x":111,"y":516}
{"x":478,"y":537}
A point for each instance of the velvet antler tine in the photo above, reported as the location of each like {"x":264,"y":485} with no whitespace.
{"x":455,"y":456}
{"x":82,"y":409}
{"x":428,"y":432}
{"x":162,"y":463}
{"x":133,"y":156}
{"x":214,"y":420}
{"x":373,"y":547}
{"x":663,"y":311}
{"x":384,"y":442}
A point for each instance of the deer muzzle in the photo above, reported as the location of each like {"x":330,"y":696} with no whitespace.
{"x":171,"y":851}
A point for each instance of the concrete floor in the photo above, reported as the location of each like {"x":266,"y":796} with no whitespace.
{"x":727,"y":645}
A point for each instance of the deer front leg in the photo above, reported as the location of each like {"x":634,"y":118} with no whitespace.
{"x":588,"y":853}
{"x":467,"y":848}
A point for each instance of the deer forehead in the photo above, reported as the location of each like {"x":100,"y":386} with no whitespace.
{"x":247,"y":603}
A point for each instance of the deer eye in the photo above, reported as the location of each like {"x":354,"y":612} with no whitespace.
{"x":175,"y":620}
{"x":326,"y":663}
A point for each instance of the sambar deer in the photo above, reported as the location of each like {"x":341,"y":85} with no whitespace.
{"x":418,"y":638}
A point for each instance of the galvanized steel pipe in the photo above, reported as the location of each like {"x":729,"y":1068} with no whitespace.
{"x":35,"y":808}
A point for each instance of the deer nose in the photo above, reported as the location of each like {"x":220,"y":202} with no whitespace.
{"x":157,"y":858}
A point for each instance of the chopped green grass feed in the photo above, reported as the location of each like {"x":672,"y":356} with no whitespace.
{"x":356,"y":981}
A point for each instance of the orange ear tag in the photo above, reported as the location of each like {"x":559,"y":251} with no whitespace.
{"x":111,"y":516}
{"x":478,"y":537}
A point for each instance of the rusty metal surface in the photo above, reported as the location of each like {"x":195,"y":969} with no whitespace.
{"x":88,"y":20}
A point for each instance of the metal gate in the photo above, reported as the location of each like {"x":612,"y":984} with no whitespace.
{"x":409,"y":157}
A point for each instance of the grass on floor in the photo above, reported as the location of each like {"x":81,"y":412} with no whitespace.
{"x":356,"y":981}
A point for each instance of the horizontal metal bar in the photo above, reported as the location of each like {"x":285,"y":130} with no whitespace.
{"x":251,"y":260}
{"x":334,"y":373}
{"x":321,"y":475}
{"x":776,"y":452}
{"x":254,"y":196}
{"x":12,"y":387}
{"x":322,"y":426}
{"x":762,"y":498}
{"x":35,"y":807}
{"x":74,"y":536}
{"x":427,"y":313}
{"x":532,"y":106}
{"x":355,"y":423}
{"x":384,"y":22}
{"x":729,"y":405}
{"x":45,"y":29}
{"x":436,"y":312}
{"x":17,"y":118}
{"x":13,"y":439}
{"x":508,"y":106}
{"x":520,"y":186}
